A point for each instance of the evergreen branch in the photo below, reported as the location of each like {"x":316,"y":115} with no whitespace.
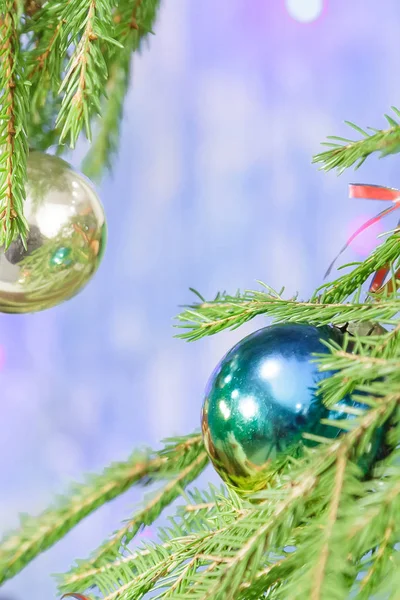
{"x":78,"y":52}
{"x":46,"y":59}
{"x":86,"y":77}
{"x":354,"y":152}
{"x":13,"y":127}
{"x":134,"y":20}
{"x":219,"y":560}
{"x":321,"y":553}
{"x":320,"y":571}
{"x":264,"y":580}
{"x":38,"y":534}
{"x":230,"y":312}
{"x":378,"y":558}
{"x":370,"y":525}
{"x":387,"y":254}
{"x":371,"y":365}
{"x":105,"y":144}
{"x":360,"y":370}
{"x":163,"y":498}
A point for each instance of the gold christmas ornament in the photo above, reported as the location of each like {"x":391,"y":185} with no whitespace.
{"x":65,"y":242}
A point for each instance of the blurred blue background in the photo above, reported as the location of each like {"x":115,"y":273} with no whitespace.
{"x":213,"y":188}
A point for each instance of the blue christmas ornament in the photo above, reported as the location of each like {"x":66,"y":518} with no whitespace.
{"x":261,"y":398}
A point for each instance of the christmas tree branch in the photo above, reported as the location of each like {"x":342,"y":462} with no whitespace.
{"x":369,"y":525}
{"x":54,"y":85}
{"x":40,"y":533}
{"x":385,"y":255}
{"x":87,"y":43}
{"x":326,"y":306}
{"x":347,"y":152}
{"x":227,"y":557}
{"x":84,"y":82}
{"x":134,"y":21}
{"x":105,"y":144}
{"x":164,"y":497}
{"x":370,"y":365}
{"x":230,"y":312}
{"x":13,"y":126}
{"x":319,"y":575}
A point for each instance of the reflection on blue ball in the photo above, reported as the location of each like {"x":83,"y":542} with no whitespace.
{"x":261,"y":399}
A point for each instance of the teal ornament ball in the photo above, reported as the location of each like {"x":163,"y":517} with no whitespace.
{"x":61,"y":257}
{"x":262,"y":398}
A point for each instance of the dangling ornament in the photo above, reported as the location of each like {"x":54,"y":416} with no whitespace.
{"x":66,"y":239}
{"x":260,"y":400}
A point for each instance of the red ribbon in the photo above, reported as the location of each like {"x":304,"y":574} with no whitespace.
{"x":77,"y":596}
{"x":373,"y":192}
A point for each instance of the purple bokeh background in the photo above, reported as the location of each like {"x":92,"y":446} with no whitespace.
{"x":213,"y":188}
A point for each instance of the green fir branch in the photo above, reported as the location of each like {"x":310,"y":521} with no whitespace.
{"x":45,"y":55}
{"x":106,"y":141}
{"x":385,"y":255}
{"x":321,"y":554}
{"x":326,"y":306}
{"x":14,"y":96}
{"x":81,"y":575}
{"x":76,"y":51}
{"x":370,"y":367}
{"x":370,"y":527}
{"x":347,"y":152}
{"x":230,"y":312}
{"x":224,"y":559}
{"x":86,"y":77}
{"x":37,"y":534}
{"x":46,"y":60}
{"x":134,"y":21}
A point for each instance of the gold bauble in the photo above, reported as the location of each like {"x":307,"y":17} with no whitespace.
{"x":65,"y":242}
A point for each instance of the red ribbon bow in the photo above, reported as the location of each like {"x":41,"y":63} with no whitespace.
{"x":77,"y":596}
{"x":373,"y":192}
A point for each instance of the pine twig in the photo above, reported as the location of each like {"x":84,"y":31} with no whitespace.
{"x":370,"y":526}
{"x":80,"y":576}
{"x":87,"y":72}
{"x":134,"y":20}
{"x":230,"y":312}
{"x":320,"y":570}
{"x":347,"y":152}
{"x":76,"y":90}
{"x":38,"y":534}
{"x":326,"y":305}
{"x":106,"y":141}
{"x":233,"y":549}
{"x":378,"y":556}
{"x":13,"y":127}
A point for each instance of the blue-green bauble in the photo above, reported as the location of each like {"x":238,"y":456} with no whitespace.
{"x":61,"y":257}
{"x":262,"y":398}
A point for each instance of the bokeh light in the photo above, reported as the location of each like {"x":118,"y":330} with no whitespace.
{"x":305,"y":11}
{"x":366,"y":241}
{"x":2,"y":361}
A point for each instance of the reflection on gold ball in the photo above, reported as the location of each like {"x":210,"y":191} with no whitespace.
{"x":66,"y":239}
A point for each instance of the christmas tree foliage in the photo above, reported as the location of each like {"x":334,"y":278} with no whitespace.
{"x":324,"y":524}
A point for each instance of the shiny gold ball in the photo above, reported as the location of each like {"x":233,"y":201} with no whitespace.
{"x":65,"y":242}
